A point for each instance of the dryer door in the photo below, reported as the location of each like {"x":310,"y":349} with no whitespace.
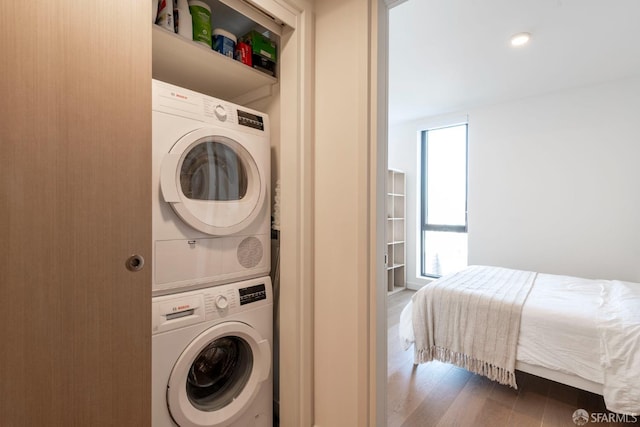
{"x":218,"y":375}
{"x":212,"y":182}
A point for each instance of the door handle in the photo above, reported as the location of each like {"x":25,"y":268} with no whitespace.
{"x":135,"y":263}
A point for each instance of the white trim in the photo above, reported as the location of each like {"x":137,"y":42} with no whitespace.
{"x":296,"y":237}
{"x":378,"y":307}
{"x":258,"y":11}
{"x":393,"y":3}
{"x":443,"y":121}
{"x":280,"y":10}
{"x":379,"y":135}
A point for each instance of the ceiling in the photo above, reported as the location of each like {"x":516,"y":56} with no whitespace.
{"x":449,"y":56}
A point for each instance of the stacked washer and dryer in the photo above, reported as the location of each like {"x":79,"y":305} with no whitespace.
{"x":212,"y":305}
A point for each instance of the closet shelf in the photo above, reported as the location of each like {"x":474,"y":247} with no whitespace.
{"x":194,"y":66}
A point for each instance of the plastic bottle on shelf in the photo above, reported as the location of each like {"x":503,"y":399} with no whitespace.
{"x":165,"y":15}
{"x":201,"y":18}
{"x":182,"y":17}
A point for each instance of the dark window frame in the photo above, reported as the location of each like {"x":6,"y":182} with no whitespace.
{"x":424,"y":226}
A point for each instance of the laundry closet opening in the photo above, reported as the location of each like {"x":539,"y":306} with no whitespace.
{"x":217,"y":203}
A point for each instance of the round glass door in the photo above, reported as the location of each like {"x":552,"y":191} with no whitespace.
{"x":212,"y":170}
{"x":213,"y":183}
{"x":219,"y":373}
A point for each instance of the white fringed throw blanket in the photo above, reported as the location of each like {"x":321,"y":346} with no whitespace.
{"x":472,"y":319}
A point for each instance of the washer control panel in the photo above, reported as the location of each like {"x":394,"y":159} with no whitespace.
{"x":220,"y":112}
{"x":252,"y":294}
{"x":250,"y":120}
{"x":219,"y":302}
{"x":222,"y":302}
{"x":176,"y":311}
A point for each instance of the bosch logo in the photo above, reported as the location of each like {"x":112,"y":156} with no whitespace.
{"x":177,"y":95}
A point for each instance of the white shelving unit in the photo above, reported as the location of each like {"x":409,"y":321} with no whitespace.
{"x":396,"y":229}
{"x":194,"y":66}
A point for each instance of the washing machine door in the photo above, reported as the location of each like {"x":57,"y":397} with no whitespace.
{"x":212,"y":182}
{"x":218,"y":376}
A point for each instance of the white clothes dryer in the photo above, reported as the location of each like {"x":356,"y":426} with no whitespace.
{"x":211,"y":177}
{"x":211,"y":356}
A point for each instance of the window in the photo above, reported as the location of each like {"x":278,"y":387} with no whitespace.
{"x":444,"y":200}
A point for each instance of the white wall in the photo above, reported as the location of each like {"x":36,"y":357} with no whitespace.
{"x":342,"y":285}
{"x":553,"y":181}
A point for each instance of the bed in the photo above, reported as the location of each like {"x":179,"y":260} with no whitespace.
{"x":491,"y":320}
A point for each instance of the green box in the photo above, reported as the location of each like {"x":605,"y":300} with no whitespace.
{"x":260,"y":45}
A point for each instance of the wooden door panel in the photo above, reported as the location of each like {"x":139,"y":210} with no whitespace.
{"x":75,"y":178}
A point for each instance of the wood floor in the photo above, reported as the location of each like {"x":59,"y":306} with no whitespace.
{"x":438,"y":394}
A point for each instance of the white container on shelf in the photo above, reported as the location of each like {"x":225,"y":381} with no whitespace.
{"x":183,"y":19}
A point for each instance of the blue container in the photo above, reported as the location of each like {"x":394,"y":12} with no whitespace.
{"x":224,"y":42}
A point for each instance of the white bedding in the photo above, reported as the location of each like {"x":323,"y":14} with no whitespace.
{"x":572,"y":325}
{"x":558,"y":329}
{"x":619,"y":329}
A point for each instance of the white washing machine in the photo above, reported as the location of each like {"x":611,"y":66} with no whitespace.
{"x":211,"y":177}
{"x":211,"y":363}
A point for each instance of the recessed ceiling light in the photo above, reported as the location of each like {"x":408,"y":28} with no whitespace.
{"x":520,"y":39}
